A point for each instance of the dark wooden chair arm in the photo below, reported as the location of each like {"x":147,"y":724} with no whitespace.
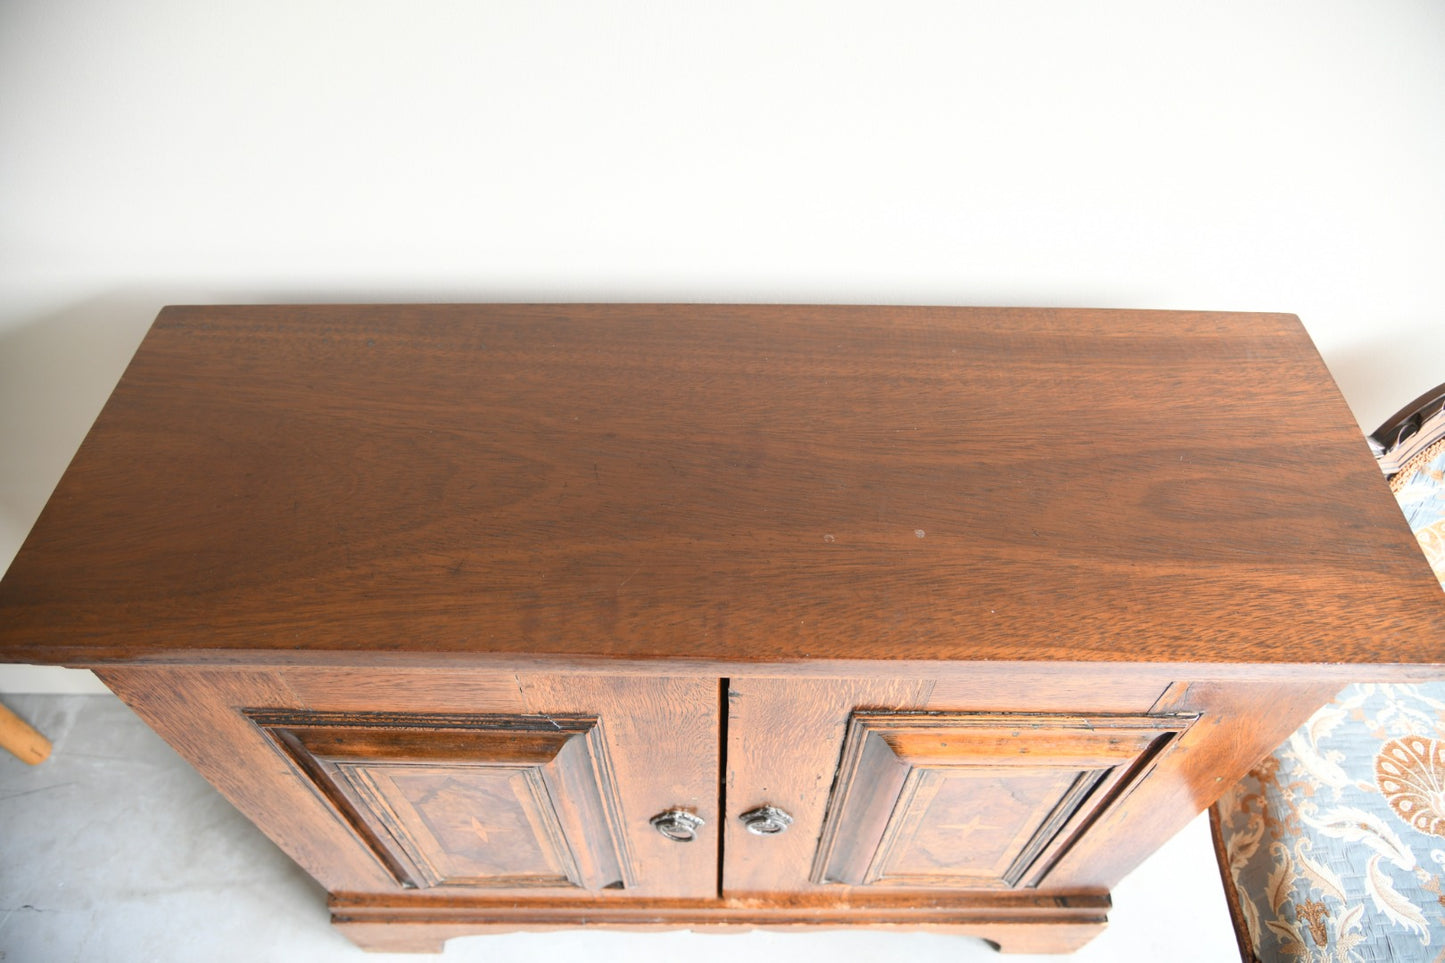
{"x":1410,"y":430}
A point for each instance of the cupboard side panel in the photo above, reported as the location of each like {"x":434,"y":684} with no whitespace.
{"x":1240,"y":723}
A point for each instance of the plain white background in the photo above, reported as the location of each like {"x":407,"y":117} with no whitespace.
{"x":1283,"y":156}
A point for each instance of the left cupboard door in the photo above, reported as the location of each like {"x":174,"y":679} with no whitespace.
{"x":483,"y":784}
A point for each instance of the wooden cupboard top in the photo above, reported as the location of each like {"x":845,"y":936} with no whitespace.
{"x":731,"y":484}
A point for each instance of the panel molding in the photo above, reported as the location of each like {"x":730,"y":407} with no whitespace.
{"x":419,"y":791}
{"x":901,"y":773}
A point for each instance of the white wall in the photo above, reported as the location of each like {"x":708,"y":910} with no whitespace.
{"x":1281,"y":156}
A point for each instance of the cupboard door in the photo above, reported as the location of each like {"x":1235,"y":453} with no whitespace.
{"x":482,"y":802}
{"x":974,"y":801}
{"x":372,"y":779}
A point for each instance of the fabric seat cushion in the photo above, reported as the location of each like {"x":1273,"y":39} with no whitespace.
{"x":1334,"y":846}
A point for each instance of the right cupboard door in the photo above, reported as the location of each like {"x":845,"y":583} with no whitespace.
{"x":889,"y":793}
{"x":954,"y":800}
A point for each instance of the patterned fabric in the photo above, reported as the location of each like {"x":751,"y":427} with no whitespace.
{"x":1420,"y":489}
{"x":1333,"y":848}
{"x":1336,"y":843}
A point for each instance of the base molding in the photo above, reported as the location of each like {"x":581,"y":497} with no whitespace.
{"x":1032,"y":924}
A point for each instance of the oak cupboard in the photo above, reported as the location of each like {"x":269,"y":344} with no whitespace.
{"x":516,"y":616}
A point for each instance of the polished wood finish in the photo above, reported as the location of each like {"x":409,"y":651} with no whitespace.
{"x":976,"y":801}
{"x":769,"y":763}
{"x":452,"y":601}
{"x":1027,"y":923}
{"x":729,"y":483}
{"x":505,"y":802}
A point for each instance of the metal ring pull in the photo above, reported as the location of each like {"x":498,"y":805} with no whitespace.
{"x":766,"y":820}
{"x":677,"y":824}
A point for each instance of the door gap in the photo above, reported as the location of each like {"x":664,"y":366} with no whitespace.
{"x":722,"y":778}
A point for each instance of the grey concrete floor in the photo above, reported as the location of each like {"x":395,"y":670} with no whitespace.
{"x":115,"y":850}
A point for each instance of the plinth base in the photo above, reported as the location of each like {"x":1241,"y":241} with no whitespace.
{"x":1012,"y":924}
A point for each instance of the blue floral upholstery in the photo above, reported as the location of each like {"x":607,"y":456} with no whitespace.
{"x":1333,"y":848}
{"x":1336,"y":842}
{"x":1420,"y":489}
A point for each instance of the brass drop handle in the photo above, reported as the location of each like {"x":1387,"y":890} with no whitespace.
{"x":766,"y":820}
{"x":677,"y":824}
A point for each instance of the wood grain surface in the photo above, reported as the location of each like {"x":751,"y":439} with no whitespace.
{"x":1032,"y":924}
{"x":784,"y":739}
{"x":737,"y":484}
{"x":1014,"y":923}
{"x":470,"y":801}
{"x":929,"y":800}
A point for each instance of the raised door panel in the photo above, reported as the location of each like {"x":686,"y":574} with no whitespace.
{"x":479,"y":802}
{"x":976,"y":801}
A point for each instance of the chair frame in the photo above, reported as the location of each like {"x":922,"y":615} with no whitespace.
{"x":1409,"y":431}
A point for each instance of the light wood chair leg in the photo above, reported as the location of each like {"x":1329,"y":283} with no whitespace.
{"x":23,"y":742}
